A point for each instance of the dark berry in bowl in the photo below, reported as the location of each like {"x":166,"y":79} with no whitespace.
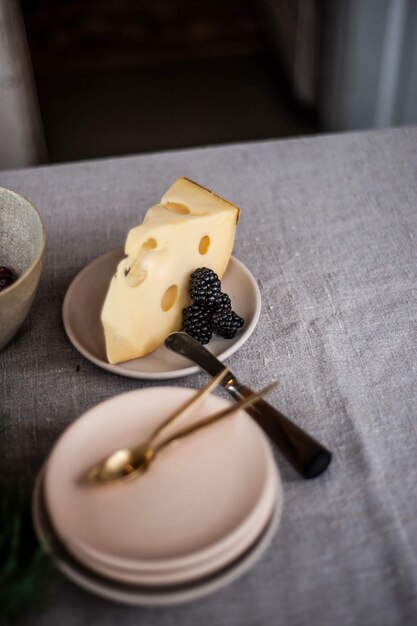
{"x":7,"y":277}
{"x":5,"y":271}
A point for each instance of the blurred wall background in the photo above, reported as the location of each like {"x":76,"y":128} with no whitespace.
{"x":107,"y":77}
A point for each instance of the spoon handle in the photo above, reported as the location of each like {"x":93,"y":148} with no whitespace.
{"x":188,"y":404}
{"x":246,"y":402}
{"x":122,"y":458}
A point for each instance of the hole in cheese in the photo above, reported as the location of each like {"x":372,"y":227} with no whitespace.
{"x":135,"y":274}
{"x":204,"y":244}
{"x":150,"y":244}
{"x":177,"y":207}
{"x":169,"y":298}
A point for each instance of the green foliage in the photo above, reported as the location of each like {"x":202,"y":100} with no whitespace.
{"x":23,"y":563}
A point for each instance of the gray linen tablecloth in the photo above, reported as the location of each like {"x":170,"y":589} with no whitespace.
{"x":329,"y":230}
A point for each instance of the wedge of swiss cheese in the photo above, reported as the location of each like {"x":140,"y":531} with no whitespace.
{"x":191,"y":227}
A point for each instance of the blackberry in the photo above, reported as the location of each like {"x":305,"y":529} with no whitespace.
{"x":5,"y":271}
{"x":7,"y":277}
{"x":223,"y":303}
{"x":211,"y":309}
{"x":226,"y":323}
{"x":205,"y":286}
{"x":197,"y":322}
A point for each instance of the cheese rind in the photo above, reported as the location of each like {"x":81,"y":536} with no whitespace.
{"x":192,"y":227}
{"x":188,"y":193}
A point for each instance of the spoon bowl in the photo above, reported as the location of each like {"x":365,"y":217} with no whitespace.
{"x":127,"y":463}
{"x":122,"y":464}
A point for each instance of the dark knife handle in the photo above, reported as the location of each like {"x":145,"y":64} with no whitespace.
{"x":301,"y":450}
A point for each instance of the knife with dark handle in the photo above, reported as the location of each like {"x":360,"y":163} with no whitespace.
{"x":309,"y":457}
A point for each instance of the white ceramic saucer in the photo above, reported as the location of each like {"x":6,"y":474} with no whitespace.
{"x":138,"y":595}
{"x":82,"y":308}
{"x":191,"y":504}
{"x":191,"y":572}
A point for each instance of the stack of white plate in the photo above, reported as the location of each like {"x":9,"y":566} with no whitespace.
{"x":204,"y":507}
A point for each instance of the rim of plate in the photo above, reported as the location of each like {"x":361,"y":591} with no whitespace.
{"x":273,"y":478}
{"x":140,"y":595}
{"x":169,"y":374}
{"x":202,"y":570}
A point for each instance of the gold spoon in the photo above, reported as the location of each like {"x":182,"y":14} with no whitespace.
{"x":124,"y":457}
{"x":128,"y":463}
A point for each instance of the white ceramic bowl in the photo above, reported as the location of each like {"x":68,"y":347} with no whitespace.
{"x":22,"y":245}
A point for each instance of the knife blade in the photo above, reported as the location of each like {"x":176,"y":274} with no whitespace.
{"x":307,"y":455}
